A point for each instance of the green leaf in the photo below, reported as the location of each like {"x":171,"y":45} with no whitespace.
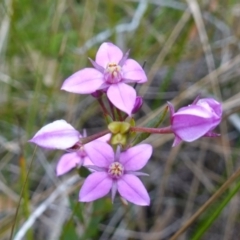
{"x":83,"y":172}
{"x":101,"y":207}
{"x":69,"y":231}
{"x":154,"y":123}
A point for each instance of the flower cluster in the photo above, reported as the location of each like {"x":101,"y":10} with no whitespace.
{"x":115,"y":155}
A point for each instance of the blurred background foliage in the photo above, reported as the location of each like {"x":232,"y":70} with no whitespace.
{"x":190,"y":47}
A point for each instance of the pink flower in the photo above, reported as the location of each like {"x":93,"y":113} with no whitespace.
{"x":112,"y":70}
{"x":61,"y":135}
{"x":116,"y":172}
{"x":196,"y":120}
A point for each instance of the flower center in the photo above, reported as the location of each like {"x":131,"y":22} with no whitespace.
{"x":116,"y":170}
{"x":112,"y":73}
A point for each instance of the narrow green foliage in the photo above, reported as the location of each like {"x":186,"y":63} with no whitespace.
{"x":101,"y":207}
{"x":26,"y":201}
{"x":69,"y":232}
{"x":214,"y":213}
{"x":154,"y":123}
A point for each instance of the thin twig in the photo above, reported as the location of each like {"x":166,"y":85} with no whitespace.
{"x":124,"y":27}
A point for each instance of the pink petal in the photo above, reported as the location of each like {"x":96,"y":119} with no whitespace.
{"x":133,"y":72}
{"x":132,"y":189}
{"x":108,"y":53}
{"x":96,"y":185}
{"x":122,"y":96}
{"x":135,"y":158}
{"x":84,"y":81}
{"x":56,"y":135}
{"x":100,"y":153}
{"x":105,"y":138}
{"x":177,"y":141}
{"x":214,"y":106}
{"x":87,"y":161}
{"x":191,"y":123}
{"x":67,"y":162}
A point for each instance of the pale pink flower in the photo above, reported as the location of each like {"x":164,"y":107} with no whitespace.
{"x":112,"y":70}
{"x":61,"y":135}
{"x":196,"y":120}
{"x":116,"y":172}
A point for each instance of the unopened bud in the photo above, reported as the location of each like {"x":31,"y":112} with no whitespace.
{"x":119,"y":127}
{"x":138,"y":104}
{"x":97,"y":94}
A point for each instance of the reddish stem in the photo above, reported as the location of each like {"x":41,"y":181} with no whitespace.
{"x":119,"y":115}
{"x":93,"y":137}
{"x":112,"y":110}
{"x":105,"y":111}
{"x":164,"y":130}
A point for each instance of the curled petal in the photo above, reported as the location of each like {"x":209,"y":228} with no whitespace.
{"x":122,"y":96}
{"x":132,"y":189}
{"x":84,"y":81}
{"x":133,"y":72}
{"x":56,"y":135}
{"x":108,"y":53}
{"x":100,"y":153}
{"x":135,"y":158}
{"x":67,"y":162}
{"x":96,"y":185}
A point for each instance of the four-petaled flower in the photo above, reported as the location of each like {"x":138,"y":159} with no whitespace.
{"x":196,"y":120}
{"x":116,"y":172}
{"x":61,"y":135}
{"x":112,"y":70}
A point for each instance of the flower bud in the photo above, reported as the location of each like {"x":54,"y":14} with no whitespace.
{"x":138,"y":104}
{"x":97,"y":94}
{"x":119,"y":127}
{"x":196,"y":120}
